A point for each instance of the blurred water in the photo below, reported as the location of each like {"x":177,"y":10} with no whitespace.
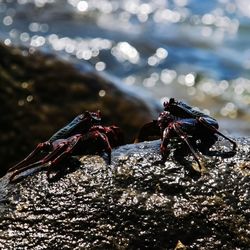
{"x":194,"y":50}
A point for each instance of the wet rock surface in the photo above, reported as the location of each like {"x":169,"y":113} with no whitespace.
{"x":40,"y":94}
{"x":134,"y":203}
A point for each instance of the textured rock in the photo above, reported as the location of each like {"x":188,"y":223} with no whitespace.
{"x":39,"y":94}
{"x":135,"y":203}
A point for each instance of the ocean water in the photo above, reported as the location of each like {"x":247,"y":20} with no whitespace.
{"x":196,"y":51}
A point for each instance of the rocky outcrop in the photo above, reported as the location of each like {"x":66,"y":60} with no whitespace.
{"x":135,"y":203}
{"x":39,"y":94}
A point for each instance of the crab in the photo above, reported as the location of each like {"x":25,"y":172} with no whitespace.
{"x":193,"y":131}
{"x":83,"y":135}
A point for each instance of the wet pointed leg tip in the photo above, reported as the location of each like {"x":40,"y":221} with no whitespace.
{"x":200,"y":167}
{"x":109,"y":160}
{"x":14,"y":178}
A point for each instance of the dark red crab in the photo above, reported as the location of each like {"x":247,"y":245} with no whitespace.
{"x":192,"y":130}
{"x":81,"y":136}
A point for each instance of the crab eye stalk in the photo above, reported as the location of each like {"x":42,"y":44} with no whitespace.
{"x":81,"y":117}
{"x":96,"y":116}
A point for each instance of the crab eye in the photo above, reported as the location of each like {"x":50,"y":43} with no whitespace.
{"x":171,"y":100}
{"x":97,"y":118}
{"x":81,"y":116}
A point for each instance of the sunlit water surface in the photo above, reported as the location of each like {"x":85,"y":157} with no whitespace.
{"x":194,"y":50}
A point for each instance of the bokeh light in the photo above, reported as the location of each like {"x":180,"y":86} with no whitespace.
{"x":194,"y":50}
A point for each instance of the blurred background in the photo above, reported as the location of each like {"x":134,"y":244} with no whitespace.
{"x":196,"y":51}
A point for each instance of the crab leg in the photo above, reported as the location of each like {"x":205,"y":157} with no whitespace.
{"x":215,"y":130}
{"x":107,"y":147}
{"x":44,"y":161}
{"x":184,"y":137}
{"x":103,"y":145}
{"x":32,"y":156}
{"x":74,"y":146}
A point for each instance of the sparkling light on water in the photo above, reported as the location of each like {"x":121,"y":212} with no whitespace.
{"x":102,"y":93}
{"x":168,"y":76}
{"x":189,"y":79}
{"x":7,"y":20}
{"x":82,"y":6}
{"x":124,"y":51}
{"x":177,"y":48}
{"x":100,"y":66}
{"x":161,"y":53}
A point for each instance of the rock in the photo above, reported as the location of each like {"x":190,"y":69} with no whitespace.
{"x":40,"y":94}
{"x":134,"y":203}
